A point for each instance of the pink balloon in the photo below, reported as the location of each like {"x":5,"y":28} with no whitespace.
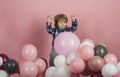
{"x":29,"y":52}
{"x":110,"y":58}
{"x":28,"y":69}
{"x":66,"y":42}
{"x":41,"y":65}
{"x":15,"y":75}
{"x":117,"y":74}
{"x":77,"y":65}
{"x":86,"y":52}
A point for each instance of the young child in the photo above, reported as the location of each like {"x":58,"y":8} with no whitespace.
{"x":60,"y":26}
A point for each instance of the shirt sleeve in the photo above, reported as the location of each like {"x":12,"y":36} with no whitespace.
{"x":73,"y":27}
{"x":49,"y":28}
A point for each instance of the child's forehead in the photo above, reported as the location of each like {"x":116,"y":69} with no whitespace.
{"x":62,"y":19}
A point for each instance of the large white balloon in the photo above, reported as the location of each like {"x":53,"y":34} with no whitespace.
{"x":71,"y":56}
{"x":50,"y":72}
{"x":88,"y":42}
{"x":109,"y":70}
{"x":62,"y":71}
{"x":60,"y":60}
{"x":3,"y":73}
{"x":1,"y":61}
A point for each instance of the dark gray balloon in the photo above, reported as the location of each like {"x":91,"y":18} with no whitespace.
{"x":11,"y":66}
{"x":100,"y":50}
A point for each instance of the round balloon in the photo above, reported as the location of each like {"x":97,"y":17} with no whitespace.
{"x":77,"y":65}
{"x":28,"y":69}
{"x":96,"y":63}
{"x":11,"y":66}
{"x":100,"y":50}
{"x":50,"y":72}
{"x":41,"y":65}
{"x":86,"y":52}
{"x":66,"y":42}
{"x":29,"y":52}
{"x":110,"y":58}
{"x":4,"y":57}
{"x":109,"y":70}
{"x":60,"y":60}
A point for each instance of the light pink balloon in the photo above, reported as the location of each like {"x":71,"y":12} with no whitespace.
{"x":86,"y":52}
{"x":28,"y":69}
{"x":110,"y":58}
{"x":41,"y":65}
{"x":15,"y":75}
{"x":29,"y":52}
{"x":66,"y":42}
{"x":77,"y":65}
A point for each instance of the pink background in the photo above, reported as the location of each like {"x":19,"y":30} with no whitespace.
{"x":23,"y":22}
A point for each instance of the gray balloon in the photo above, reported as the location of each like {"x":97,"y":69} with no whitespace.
{"x":100,"y":50}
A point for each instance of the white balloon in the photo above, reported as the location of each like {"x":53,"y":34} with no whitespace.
{"x":60,"y":60}
{"x":87,"y":42}
{"x":50,"y":72}
{"x":118,"y":66}
{"x":109,"y":70}
{"x":1,"y":61}
{"x":3,"y":73}
{"x":71,"y":56}
{"x":62,"y":71}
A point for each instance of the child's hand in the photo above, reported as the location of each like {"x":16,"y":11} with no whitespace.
{"x":49,"y":19}
{"x":73,"y":18}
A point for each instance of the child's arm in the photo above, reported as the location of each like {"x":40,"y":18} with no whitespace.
{"x":74,"y":24}
{"x":49,"y":28}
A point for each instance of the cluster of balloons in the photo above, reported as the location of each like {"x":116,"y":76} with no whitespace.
{"x":73,"y":60}
{"x":30,"y":65}
{"x":84,"y":58}
{"x":60,"y":69}
{"x":7,"y":66}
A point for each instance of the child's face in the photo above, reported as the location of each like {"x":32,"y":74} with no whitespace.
{"x":62,"y":23}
